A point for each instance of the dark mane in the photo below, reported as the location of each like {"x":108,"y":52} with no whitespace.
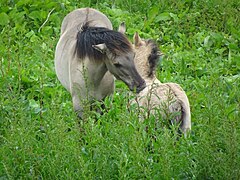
{"x":153,"y":58}
{"x":116,"y":42}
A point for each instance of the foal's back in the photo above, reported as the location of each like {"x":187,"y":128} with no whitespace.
{"x":168,"y":99}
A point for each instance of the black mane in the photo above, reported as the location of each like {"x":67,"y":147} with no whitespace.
{"x":154,"y":57}
{"x":116,"y":42}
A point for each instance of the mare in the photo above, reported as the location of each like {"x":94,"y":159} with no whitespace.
{"x":89,"y":54}
{"x":167,"y":99}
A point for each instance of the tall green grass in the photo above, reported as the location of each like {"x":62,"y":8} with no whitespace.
{"x":40,"y":135}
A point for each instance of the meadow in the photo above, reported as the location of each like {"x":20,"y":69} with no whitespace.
{"x":41,"y":136}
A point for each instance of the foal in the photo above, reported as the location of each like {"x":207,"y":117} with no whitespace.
{"x":167,"y":98}
{"x":89,"y":53}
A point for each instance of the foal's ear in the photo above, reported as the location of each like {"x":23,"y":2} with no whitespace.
{"x":122,"y":28}
{"x":100,"y":47}
{"x":137,"y":40}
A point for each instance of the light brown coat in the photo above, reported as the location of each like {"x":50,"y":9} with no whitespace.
{"x":167,"y":98}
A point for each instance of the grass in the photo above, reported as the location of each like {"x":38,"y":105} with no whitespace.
{"x":40,"y":135}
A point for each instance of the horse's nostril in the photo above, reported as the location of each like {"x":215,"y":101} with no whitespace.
{"x":141,"y":86}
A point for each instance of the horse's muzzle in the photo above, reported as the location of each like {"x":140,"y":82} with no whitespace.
{"x":137,"y":86}
{"x":141,"y":87}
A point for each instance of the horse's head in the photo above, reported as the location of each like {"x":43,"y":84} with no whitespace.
{"x":120,"y":61}
{"x":147,"y":55}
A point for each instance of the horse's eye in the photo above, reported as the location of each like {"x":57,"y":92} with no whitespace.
{"x":118,"y":65}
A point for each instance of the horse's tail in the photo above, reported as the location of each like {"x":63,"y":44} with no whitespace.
{"x":185,"y":125}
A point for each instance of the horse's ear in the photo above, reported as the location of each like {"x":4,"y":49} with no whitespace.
{"x":137,"y":40}
{"x":100,"y":47}
{"x":122,"y":28}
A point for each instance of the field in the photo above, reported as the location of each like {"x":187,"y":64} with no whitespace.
{"x":41,"y":136}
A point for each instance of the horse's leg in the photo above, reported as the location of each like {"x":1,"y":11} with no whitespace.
{"x":78,"y":95}
{"x":76,"y":105}
{"x":77,"y":86}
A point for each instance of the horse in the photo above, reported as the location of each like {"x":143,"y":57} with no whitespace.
{"x":168,"y":99}
{"x":90,"y":55}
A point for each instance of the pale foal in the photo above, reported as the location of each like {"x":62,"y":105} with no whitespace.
{"x":167,"y":99}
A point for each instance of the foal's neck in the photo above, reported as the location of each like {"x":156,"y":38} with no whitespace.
{"x":142,"y":64}
{"x":151,"y":80}
{"x":143,"y":69}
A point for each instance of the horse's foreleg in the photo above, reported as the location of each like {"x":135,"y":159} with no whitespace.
{"x":77,"y":107}
{"x":77,"y":99}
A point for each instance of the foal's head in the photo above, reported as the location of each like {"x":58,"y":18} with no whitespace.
{"x":147,"y":56}
{"x":112,"y":48}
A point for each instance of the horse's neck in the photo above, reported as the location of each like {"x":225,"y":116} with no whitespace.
{"x":142,"y":69}
{"x":141,"y":63}
{"x":94,"y":71}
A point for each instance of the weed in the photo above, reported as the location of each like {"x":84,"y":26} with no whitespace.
{"x":40,"y":136}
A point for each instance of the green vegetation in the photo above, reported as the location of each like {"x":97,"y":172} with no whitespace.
{"x":40,"y":137}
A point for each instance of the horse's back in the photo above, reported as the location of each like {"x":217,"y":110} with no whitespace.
{"x":65,"y":56}
{"x":73,"y":21}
